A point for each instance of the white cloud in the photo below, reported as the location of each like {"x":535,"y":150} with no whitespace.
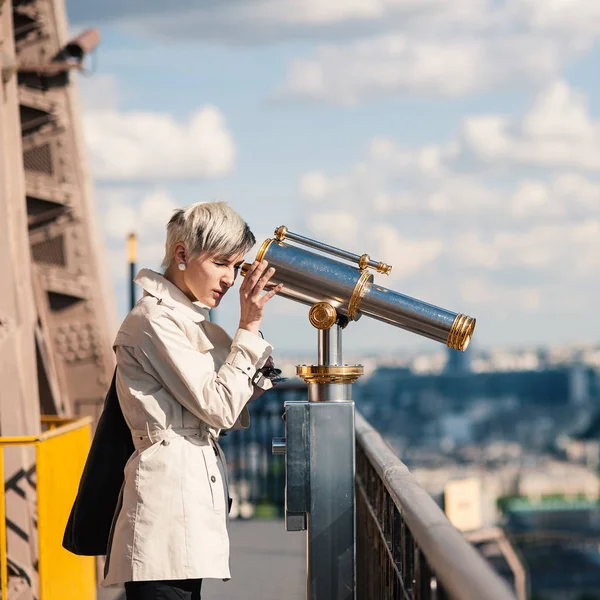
{"x":568,"y":195}
{"x":407,"y":255}
{"x":119,"y":221}
{"x":539,"y":247}
{"x":155,"y":210}
{"x":314,"y":185}
{"x":481,"y":292}
{"x":448,"y":180}
{"x":147,"y":146}
{"x":265,"y":20}
{"x":338,"y":226}
{"x":425,"y":65}
{"x":261,"y":21}
{"x":581,"y":17}
{"x":98,"y":92}
{"x":557,"y":131}
{"x":125,"y":211}
{"x":375,"y":48}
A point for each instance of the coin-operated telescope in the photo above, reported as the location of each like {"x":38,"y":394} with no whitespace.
{"x":319,"y":441}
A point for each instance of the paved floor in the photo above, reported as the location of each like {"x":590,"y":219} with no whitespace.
{"x":267,"y":563}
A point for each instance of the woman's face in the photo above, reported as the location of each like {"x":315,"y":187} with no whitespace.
{"x":208,"y":277}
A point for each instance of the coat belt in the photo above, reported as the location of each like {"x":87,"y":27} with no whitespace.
{"x":142,"y":438}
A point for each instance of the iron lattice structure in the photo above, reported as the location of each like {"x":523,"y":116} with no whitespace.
{"x":56,"y":310}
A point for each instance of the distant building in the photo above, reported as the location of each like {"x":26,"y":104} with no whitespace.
{"x":457,"y":362}
{"x":472,"y":495}
{"x":463,"y":503}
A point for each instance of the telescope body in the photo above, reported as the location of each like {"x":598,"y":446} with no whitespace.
{"x":311,"y":278}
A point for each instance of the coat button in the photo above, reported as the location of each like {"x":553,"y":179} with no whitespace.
{"x":165,"y":442}
{"x":213,"y":478}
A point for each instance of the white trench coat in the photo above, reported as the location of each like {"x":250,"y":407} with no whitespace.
{"x":180,"y":380}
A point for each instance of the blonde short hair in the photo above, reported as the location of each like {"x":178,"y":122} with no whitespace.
{"x":207,"y":227}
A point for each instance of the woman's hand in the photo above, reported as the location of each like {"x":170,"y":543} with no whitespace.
{"x":252,"y":303}
{"x":258,"y":391}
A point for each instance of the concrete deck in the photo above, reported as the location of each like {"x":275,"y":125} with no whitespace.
{"x":267,"y":563}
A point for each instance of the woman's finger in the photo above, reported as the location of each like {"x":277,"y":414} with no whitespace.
{"x":258,"y":272}
{"x":253,"y":276}
{"x":270,"y":294}
{"x":260,"y":284}
{"x":246,"y":278}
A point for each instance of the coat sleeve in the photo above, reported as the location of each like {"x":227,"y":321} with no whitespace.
{"x":217,"y":398}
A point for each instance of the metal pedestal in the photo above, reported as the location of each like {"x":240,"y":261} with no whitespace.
{"x":320,"y":470}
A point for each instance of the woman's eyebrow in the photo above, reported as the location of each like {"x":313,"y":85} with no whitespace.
{"x":228,"y":259}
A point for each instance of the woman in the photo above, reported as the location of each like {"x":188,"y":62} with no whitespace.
{"x":180,"y":380}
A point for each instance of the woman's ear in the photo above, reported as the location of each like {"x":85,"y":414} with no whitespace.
{"x":180,"y":253}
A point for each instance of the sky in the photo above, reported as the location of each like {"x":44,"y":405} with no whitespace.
{"x":457,"y":141}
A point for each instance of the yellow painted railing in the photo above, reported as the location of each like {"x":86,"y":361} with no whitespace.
{"x":60,"y":452}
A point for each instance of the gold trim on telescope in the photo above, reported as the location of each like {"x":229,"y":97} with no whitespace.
{"x":461,"y":332}
{"x":280,"y":233}
{"x":329,"y":374}
{"x":322,"y":315}
{"x":263,"y":250}
{"x":259,"y":257}
{"x":383,"y":268}
{"x":358,"y":293}
{"x":363,"y":261}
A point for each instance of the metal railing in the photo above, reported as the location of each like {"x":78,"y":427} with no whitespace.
{"x":406,"y":547}
{"x":60,"y":454}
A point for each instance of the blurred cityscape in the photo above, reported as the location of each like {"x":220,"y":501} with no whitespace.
{"x":506,"y":441}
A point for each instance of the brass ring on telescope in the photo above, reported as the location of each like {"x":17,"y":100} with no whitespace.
{"x":461,"y":332}
{"x":263,"y":250}
{"x":280,"y":233}
{"x":363,"y":262}
{"x":358,"y":293}
{"x":259,"y":257}
{"x":329,"y":374}
{"x":322,"y":315}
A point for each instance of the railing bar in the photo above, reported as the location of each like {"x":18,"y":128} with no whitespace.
{"x":444,"y":547}
{"x":362,"y":490}
{"x":396,"y":535}
{"x":407,"y":558}
{"x":423,"y":575}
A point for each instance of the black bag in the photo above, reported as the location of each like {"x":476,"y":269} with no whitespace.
{"x":89,"y":524}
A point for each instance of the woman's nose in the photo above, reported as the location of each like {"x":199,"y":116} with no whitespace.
{"x":229,"y":278}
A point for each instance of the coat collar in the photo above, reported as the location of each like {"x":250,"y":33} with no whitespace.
{"x":170,"y":295}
